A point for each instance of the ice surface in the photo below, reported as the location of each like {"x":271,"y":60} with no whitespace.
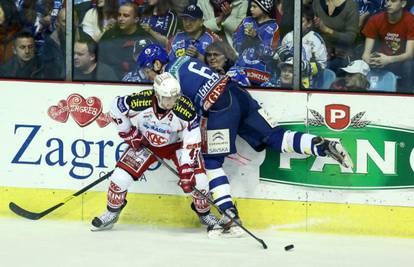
{"x":54,"y":243}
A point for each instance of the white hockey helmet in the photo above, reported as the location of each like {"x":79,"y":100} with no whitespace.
{"x":167,"y":90}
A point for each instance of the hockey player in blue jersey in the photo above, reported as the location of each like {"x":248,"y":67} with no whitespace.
{"x":228,"y":110}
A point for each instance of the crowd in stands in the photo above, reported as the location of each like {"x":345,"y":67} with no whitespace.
{"x":355,"y":45}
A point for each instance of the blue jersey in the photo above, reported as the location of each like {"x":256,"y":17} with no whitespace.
{"x":198,"y":82}
{"x":265,"y":42}
{"x":180,"y":42}
{"x":255,"y":53}
{"x":166,"y":25}
{"x":370,"y":6}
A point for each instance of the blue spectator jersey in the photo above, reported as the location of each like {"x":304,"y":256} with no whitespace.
{"x":255,"y":53}
{"x":165,"y":24}
{"x":180,"y":42}
{"x":264,"y":43}
{"x":370,"y":6}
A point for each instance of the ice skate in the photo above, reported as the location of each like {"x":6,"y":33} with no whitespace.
{"x":106,"y":221}
{"x":208,"y":219}
{"x":227,"y":228}
{"x":335,"y":150}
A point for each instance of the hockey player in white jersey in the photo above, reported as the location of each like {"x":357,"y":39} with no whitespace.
{"x":168,"y":125}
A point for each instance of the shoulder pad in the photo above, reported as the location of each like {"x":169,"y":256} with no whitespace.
{"x":184,"y":109}
{"x":140,"y":101}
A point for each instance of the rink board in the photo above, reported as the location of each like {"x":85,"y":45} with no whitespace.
{"x":174,"y":211}
{"x":51,"y":149}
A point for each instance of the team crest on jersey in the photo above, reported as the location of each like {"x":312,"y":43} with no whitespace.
{"x":156,"y":139}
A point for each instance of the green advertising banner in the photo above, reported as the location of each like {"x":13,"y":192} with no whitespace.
{"x":383,"y":156}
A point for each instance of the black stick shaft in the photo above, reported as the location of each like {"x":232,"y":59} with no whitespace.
{"x":37,"y":215}
{"x":211,"y":202}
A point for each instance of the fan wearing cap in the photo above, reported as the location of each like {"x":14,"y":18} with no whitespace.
{"x":194,"y":38}
{"x":256,"y":40}
{"x":355,"y":77}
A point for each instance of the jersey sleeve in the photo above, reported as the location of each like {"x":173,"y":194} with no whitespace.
{"x":125,"y":107}
{"x":118,"y":112}
{"x":191,"y":135}
{"x":191,"y":142}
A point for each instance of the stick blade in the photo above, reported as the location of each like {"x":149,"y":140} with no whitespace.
{"x":25,"y":213}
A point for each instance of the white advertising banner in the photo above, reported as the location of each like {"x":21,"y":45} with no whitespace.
{"x":58,"y":135}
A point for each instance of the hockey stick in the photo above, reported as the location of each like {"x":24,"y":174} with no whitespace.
{"x":211,"y":202}
{"x":36,"y":216}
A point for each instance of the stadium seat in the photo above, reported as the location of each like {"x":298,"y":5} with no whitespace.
{"x":382,"y":80}
{"x":325,"y":80}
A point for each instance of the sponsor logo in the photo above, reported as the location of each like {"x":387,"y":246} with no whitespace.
{"x":83,"y":111}
{"x":257,"y":75}
{"x":337,"y":118}
{"x":218,"y":137}
{"x":103,"y":120}
{"x":121,"y":105}
{"x":60,"y":112}
{"x":383,"y":155}
{"x":80,"y":156}
{"x":215,"y":93}
{"x":218,"y":141}
{"x":138,"y":103}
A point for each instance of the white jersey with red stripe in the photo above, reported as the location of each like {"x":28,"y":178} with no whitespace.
{"x":180,"y":125}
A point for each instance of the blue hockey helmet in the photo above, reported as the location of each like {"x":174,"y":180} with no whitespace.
{"x":149,"y":54}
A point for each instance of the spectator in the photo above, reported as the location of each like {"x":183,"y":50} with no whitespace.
{"x":195,"y":37}
{"x":355,"y":77}
{"x":337,"y":22}
{"x":286,"y":74}
{"x":179,"y":5}
{"x":100,"y":18}
{"x":256,"y":40}
{"x":159,"y":20}
{"x":86,"y":68}
{"x":9,"y":27}
{"x":39,"y":17}
{"x":283,"y":72}
{"x":53,"y":50}
{"x":313,"y":45}
{"x":116,"y":46}
{"x":368,"y":8}
{"x":394,"y":31}
{"x":24,"y":64}
{"x":284,"y":15}
{"x":220,"y":57}
{"x":223,"y":16}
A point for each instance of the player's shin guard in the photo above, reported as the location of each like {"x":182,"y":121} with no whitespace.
{"x":117,"y":191}
{"x":200,"y":205}
{"x":220,"y":188}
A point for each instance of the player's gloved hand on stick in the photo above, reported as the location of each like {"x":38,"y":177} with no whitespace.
{"x":187,"y":178}
{"x":134,"y":138}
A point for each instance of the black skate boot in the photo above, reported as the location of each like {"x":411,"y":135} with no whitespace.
{"x":107,"y":220}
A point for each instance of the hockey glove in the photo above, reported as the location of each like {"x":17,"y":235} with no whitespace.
{"x":133,"y":138}
{"x":187,"y":178}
